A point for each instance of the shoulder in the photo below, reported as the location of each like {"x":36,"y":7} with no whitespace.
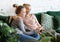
{"x":16,"y":17}
{"x":31,"y":15}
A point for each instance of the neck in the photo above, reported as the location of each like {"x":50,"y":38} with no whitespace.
{"x":27,"y":12}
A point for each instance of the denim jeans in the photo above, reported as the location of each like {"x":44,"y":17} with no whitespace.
{"x":27,"y":38}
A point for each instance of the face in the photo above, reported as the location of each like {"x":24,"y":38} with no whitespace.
{"x":28,"y":9}
{"x":23,"y":11}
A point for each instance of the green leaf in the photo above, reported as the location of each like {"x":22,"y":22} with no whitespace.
{"x":45,"y":39}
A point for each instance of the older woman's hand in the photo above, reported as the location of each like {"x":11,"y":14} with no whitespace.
{"x":40,"y":30}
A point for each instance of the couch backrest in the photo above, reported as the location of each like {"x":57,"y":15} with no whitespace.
{"x":53,"y":13}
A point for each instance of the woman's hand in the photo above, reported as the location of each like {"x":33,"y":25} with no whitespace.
{"x":40,"y":30}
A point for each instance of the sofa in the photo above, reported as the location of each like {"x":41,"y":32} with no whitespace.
{"x":55,"y":30}
{"x":55,"y":20}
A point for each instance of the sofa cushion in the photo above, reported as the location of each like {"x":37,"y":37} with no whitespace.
{"x":56,"y":19}
{"x":47,"y":21}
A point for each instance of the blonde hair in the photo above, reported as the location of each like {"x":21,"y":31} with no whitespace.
{"x":25,"y":4}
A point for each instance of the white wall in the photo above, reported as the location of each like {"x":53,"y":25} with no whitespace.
{"x":37,"y":5}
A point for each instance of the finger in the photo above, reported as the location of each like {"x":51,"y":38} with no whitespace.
{"x":40,"y":33}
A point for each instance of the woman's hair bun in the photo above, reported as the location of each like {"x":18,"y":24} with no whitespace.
{"x":15,"y":5}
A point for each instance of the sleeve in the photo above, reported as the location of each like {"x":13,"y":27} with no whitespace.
{"x":36,"y":21}
{"x":23,"y":27}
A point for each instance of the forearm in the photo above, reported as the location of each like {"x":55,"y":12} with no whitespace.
{"x":36,"y":21}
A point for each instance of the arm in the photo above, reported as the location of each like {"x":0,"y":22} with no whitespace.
{"x":23,"y":27}
{"x":36,"y":21}
{"x":40,"y":28}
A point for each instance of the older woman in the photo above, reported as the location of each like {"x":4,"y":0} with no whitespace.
{"x":30,"y":20}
